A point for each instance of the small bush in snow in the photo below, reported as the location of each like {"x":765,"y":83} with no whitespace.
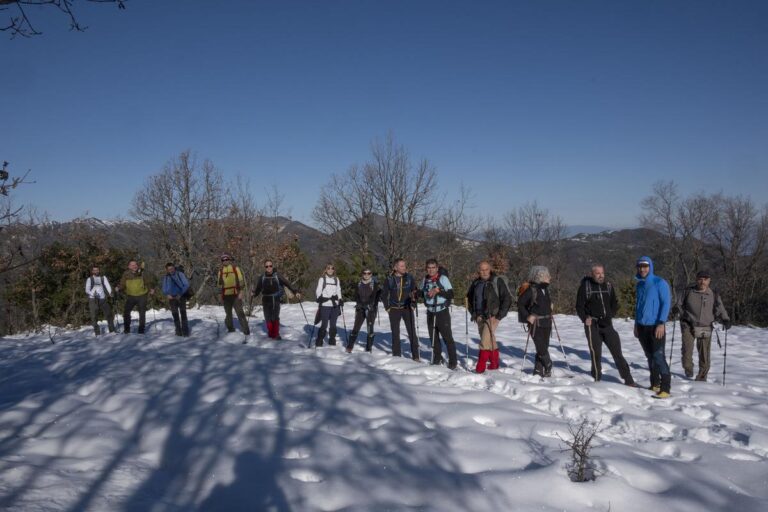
{"x":582,"y":466}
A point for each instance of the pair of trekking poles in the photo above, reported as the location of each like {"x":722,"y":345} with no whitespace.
{"x":717,"y":335}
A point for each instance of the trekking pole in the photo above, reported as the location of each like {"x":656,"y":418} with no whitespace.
{"x":717,"y":335}
{"x":303,"y":312}
{"x":525,"y":351}
{"x":434,"y":336}
{"x":592,"y":352}
{"x":466,"y":333}
{"x":561,"y":344}
{"x":725,"y":354}
{"x":672,"y":345}
{"x":344,"y":321}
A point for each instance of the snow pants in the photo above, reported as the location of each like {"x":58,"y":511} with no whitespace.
{"x":596,"y":336}
{"x":139,"y":302}
{"x":94,"y":305}
{"x":657,"y":359}
{"x":404,"y":314}
{"x":178,"y":309}
{"x":233,"y":302}
{"x":328,"y":316}
{"x":439,"y":326}
{"x":703,"y":346}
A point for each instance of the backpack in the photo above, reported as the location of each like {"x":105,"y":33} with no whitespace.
{"x":190,"y":292}
{"x":103,"y":287}
{"x":237,"y":280}
{"x":495,"y":283}
{"x":280,"y":291}
{"x":520,"y":291}
{"x":588,"y":289}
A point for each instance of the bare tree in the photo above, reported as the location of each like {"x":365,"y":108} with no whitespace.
{"x":345,"y":209}
{"x":19,"y":21}
{"x":183,"y":206}
{"x":683,"y":222}
{"x":382,"y":206}
{"x":8,"y":211}
{"x":740,"y":233}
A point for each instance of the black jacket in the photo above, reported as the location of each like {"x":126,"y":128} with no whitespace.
{"x":398,"y":291}
{"x":494,"y":304}
{"x":536,"y":301}
{"x":367,"y":296}
{"x":596,"y":301}
{"x":270,"y":286}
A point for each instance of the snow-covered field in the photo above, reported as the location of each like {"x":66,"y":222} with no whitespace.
{"x":160,"y":423}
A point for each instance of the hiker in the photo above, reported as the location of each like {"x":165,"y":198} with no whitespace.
{"x":534,"y":308}
{"x":699,"y":307}
{"x":175,"y":288}
{"x":329,"y":298}
{"x":437,"y":292}
{"x":398,"y":299}
{"x":231,"y":281}
{"x":98,"y":289}
{"x":596,"y":305}
{"x":651,"y":312}
{"x":367,"y":296}
{"x":136,"y":286}
{"x":272,"y":286}
{"x":489,"y":301}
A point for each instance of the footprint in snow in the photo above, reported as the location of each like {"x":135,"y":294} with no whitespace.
{"x":297,"y":453}
{"x":305,"y":475}
{"x":485,"y":421}
{"x":262,"y":415}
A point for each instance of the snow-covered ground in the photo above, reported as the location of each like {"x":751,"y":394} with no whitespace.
{"x":160,"y":423}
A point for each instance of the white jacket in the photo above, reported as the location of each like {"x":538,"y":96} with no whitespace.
{"x":332,"y":287}
{"x":97,"y":290}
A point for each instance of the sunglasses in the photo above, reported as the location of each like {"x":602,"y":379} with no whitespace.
{"x":368,"y":273}
{"x":225,"y":259}
{"x":267,"y":266}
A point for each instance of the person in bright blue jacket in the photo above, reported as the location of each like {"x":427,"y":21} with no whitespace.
{"x":175,"y":287}
{"x":651,"y":311}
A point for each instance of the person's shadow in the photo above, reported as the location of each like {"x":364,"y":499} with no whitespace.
{"x":254,"y":488}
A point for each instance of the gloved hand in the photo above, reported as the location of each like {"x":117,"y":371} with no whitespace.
{"x":334,"y":297}
{"x":726,"y":324}
{"x":341,"y":303}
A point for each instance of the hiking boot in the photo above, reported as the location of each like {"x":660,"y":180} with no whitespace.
{"x":631,"y":384}
{"x":97,"y":330}
{"x":689,"y":374}
{"x":701,"y":378}
{"x":452,"y":366}
{"x":178,"y":332}
{"x":278,"y":337}
{"x":655,"y":389}
{"x":349,"y":350}
{"x":662,"y":394}
{"x":369,"y":343}
{"x":495,"y":360}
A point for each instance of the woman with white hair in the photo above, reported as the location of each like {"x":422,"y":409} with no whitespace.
{"x":535,"y":309}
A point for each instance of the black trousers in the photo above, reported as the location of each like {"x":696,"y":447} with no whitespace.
{"x":405,"y":314}
{"x":441,"y":321}
{"x":271,"y":307}
{"x":657,"y":359}
{"x":232,"y":302}
{"x":364,"y":315}
{"x":178,"y":309}
{"x":328,"y":316}
{"x":608,"y":335}
{"x":131,"y":302}
{"x":541,"y":334}
{"x":94,"y":305}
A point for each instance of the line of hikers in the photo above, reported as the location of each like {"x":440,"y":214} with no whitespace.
{"x":488,"y":301}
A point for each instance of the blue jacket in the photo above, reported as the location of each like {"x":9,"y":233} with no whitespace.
{"x":176,"y":284}
{"x":653,"y":298}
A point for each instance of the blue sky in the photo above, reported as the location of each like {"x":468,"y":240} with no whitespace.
{"x":578,"y":105}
